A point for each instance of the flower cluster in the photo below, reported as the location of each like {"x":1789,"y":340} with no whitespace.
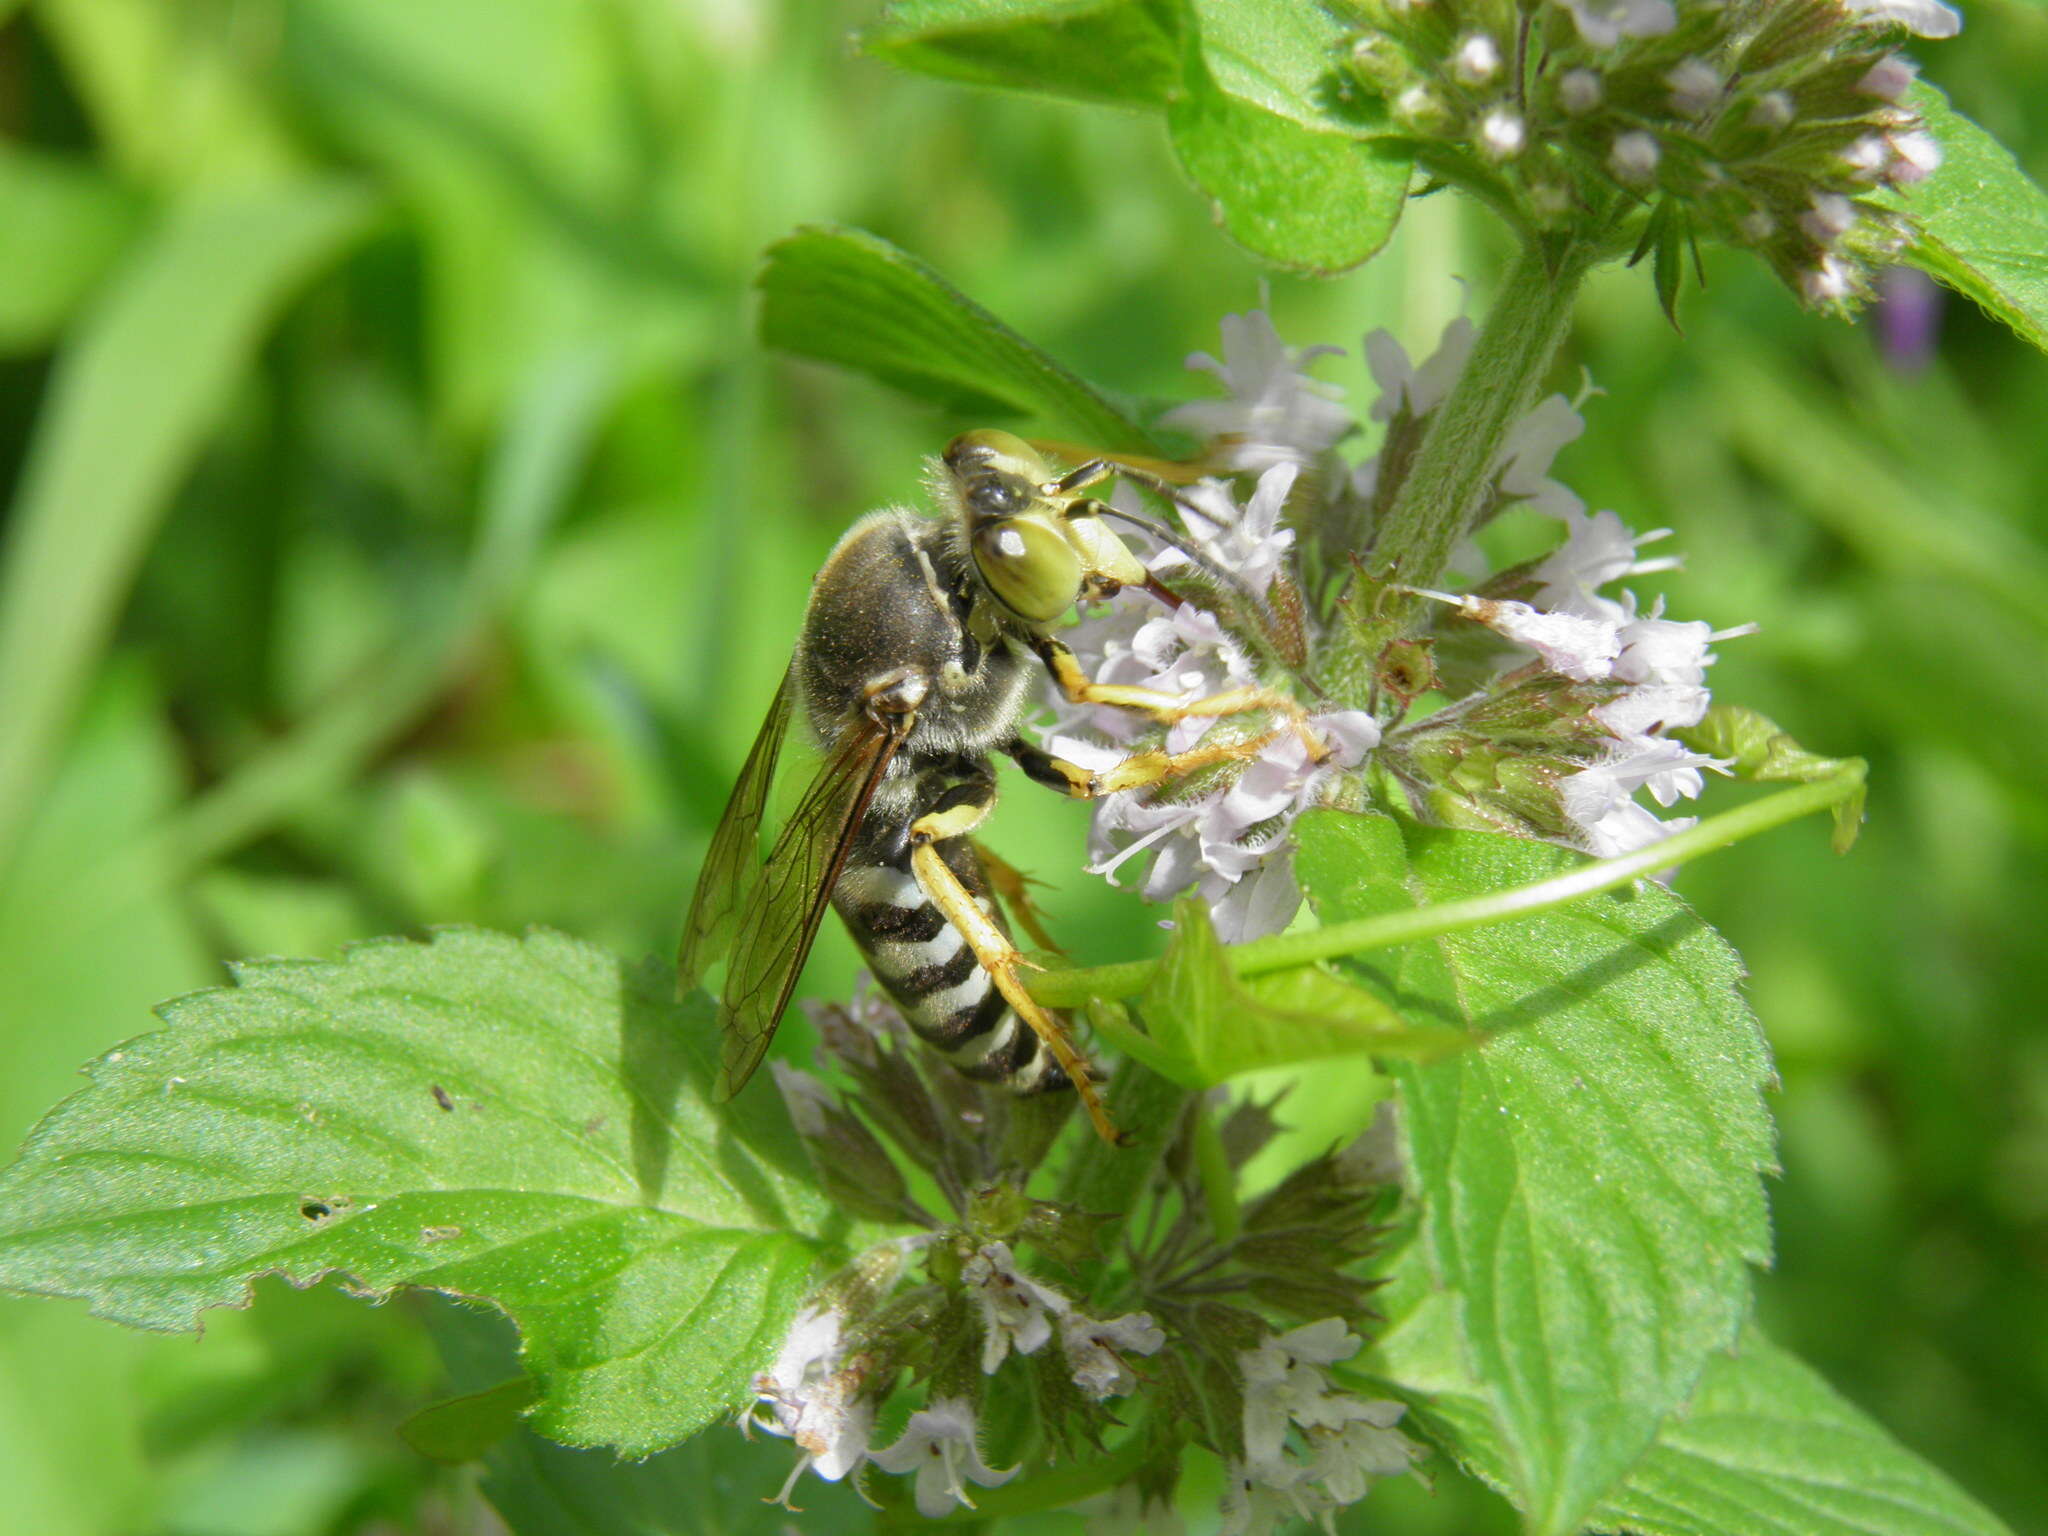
{"x":1766,"y":124}
{"x":1562,"y":728}
{"x":1181,"y":1311}
{"x":1309,"y":1448}
{"x":822,"y":1393}
{"x":1573,"y":723}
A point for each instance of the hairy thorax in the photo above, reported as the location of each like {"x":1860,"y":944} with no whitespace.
{"x":895,"y":604}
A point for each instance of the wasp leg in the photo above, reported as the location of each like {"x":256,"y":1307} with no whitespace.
{"x":959,"y":811}
{"x":1011,"y":886}
{"x":1138,"y":771}
{"x":1169,"y":709}
{"x":1166,"y":476}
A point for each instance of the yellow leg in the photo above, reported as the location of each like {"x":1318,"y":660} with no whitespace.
{"x":1011,"y":886}
{"x":1169,"y":709}
{"x":1000,"y":958}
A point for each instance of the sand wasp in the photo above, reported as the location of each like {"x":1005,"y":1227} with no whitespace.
{"x":914,"y":666}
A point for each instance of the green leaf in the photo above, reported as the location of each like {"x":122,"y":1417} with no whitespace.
{"x":848,"y":297}
{"x":1983,"y":223}
{"x":520,"y":1122}
{"x":135,"y":393}
{"x":465,"y":1428}
{"x":1210,"y":1025}
{"x":1309,"y":199}
{"x":1764,"y":1447}
{"x":1589,"y":1174}
{"x":1275,"y":57}
{"x":1758,"y":750}
{"x":1769,"y":1449}
{"x":1122,"y":52}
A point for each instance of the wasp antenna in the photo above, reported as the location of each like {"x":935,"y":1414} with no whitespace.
{"x":1159,"y":589}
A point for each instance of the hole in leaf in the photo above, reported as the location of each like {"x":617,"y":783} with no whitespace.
{"x":316,"y":1210}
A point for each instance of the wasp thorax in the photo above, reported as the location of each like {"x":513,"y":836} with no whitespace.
{"x":1029,"y":566}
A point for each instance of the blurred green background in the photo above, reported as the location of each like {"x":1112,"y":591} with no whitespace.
{"x":403,"y":528}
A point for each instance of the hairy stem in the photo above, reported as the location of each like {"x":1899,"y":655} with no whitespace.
{"x":1066,"y":989}
{"x":1447,"y":487}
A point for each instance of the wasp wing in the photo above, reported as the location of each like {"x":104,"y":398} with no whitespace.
{"x":783,"y":910}
{"x":715,"y":907}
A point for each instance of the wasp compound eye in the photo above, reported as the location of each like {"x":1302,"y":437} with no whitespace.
{"x":999,"y":496}
{"x":1029,"y":567}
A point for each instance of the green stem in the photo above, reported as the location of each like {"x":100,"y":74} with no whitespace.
{"x":1449,"y":484}
{"x":1068,"y":989}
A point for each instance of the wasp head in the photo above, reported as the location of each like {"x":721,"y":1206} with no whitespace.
{"x":1038,"y":548}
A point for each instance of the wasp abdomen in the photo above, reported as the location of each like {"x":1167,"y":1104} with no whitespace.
{"x":924,"y":964}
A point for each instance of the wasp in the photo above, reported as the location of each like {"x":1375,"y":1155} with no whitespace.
{"x":920,"y":648}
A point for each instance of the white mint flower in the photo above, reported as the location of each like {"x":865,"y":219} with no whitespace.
{"x":810,"y":1397}
{"x":1477,"y":59}
{"x":1634,"y":156}
{"x":1603,"y":23}
{"x":1246,"y":542}
{"x":1286,"y":1381}
{"x":1773,"y":110}
{"x":1185,"y":652}
{"x":939,"y":1445}
{"x":1366,"y":1446}
{"x":1257,"y":1501}
{"x":1275,"y":413}
{"x":1230,"y":842}
{"x":1600,"y":801}
{"x":1831,"y":217}
{"x":1925,"y":18}
{"x":1502,"y":133}
{"x":1095,"y":1350}
{"x":1829,"y":283}
{"x":1016,"y":1311}
{"x":1406,"y":387}
{"x":1695,"y":87}
{"x":1579,"y":91}
{"x":1915,"y":157}
{"x":1889,"y":78}
{"x":1598,"y":549}
{"x":1309,"y":1447}
{"x":1532,"y":444}
{"x":1570,"y":644}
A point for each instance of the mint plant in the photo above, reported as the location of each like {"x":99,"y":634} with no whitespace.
{"x":1534,"y":1263}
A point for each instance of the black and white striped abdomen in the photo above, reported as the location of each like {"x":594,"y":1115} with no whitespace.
{"x":924,"y":963}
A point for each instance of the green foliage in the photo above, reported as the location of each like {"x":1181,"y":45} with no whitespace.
{"x":1761,"y":1446}
{"x":1756,"y":748}
{"x":1242,"y":84}
{"x":434,"y":566}
{"x":151,"y":372}
{"x":1120,"y":52}
{"x":1208,"y":1025}
{"x":844,"y":296}
{"x":1590,"y":1173}
{"x":1983,"y":223}
{"x":523,"y":1122}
